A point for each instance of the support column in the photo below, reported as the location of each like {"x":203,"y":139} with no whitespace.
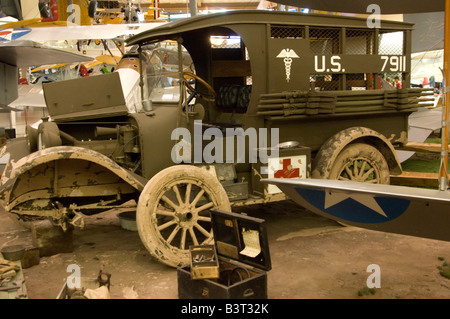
{"x":443,"y":177}
{"x":193,"y":7}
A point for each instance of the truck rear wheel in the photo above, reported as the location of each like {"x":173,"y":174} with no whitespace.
{"x":173,"y":212}
{"x":360,"y":162}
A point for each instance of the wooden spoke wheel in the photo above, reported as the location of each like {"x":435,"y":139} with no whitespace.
{"x":174,"y":212}
{"x":360,"y":162}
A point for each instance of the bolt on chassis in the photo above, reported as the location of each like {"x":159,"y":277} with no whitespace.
{"x":315,"y":85}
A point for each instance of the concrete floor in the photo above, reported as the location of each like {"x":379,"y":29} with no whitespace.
{"x":312,"y":258}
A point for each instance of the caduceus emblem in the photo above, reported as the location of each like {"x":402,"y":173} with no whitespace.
{"x":287,"y":54}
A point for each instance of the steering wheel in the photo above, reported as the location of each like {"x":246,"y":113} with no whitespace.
{"x":210,"y":97}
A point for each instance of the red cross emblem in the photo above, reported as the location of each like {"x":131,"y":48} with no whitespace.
{"x":287,"y":171}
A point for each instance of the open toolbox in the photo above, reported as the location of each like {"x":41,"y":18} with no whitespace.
{"x":235,"y":267}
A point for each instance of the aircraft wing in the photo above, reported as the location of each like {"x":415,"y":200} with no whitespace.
{"x":75,"y":32}
{"x":403,"y":210}
{"x":27,"y":53}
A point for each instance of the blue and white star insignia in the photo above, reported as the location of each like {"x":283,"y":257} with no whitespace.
{"x":13,"y":34}
{"x":355,"y":207}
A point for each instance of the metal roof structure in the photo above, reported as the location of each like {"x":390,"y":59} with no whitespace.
{"x":254,"y":16}
{"x":361,"y":6}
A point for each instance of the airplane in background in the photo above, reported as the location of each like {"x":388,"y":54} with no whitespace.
{"x":74,"y":32}
{"x":54,"y":20}
{"x":45,"y":13}
{"x":29,"y":86}
{"x":32,"y":94}
{"x":77,"y":33}
{"x":17,"y":54}
{"x":41,"y":32}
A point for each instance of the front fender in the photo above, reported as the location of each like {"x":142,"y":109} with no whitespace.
{"x":39,"y":173}
{"x":14,"y":169}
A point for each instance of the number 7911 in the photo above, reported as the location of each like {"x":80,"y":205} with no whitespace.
{"x":394,"y":63}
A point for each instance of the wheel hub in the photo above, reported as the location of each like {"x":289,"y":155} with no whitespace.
{"x":359,"y":170}
{"x":186,"y":216}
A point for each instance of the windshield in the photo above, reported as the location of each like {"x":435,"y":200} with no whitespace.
{"x":162,"y":70}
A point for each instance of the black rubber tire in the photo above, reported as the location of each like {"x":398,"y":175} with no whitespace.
{"x":44,"y":9}
{"x":92,"y":8}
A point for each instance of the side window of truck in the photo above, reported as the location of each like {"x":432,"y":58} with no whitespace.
{"x":161,"y":71}
{"x":335,"y":44}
